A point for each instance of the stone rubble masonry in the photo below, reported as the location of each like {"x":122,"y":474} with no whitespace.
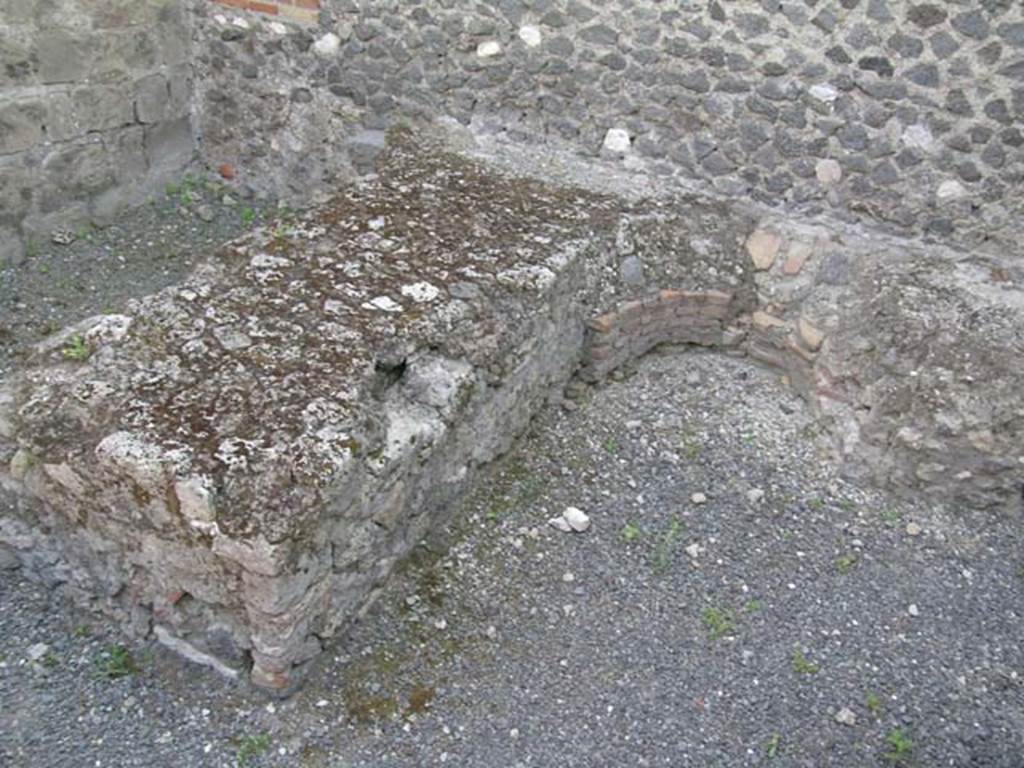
{"x":94,"y":111}
{"x":866,"y":110}
{"x":242,"y":459}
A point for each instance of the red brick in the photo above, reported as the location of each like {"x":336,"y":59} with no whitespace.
{"x":266,"y":8}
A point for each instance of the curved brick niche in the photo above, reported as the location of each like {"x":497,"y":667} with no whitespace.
{"x":236,"y":464}
{"x":664,"y":317}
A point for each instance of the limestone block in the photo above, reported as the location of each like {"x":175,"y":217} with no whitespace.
{"x":100,"y":108}
{"x":170,"y":145}
{"x":797,"y":254}
{"x":763,"y":246}
{"x":12,"y":247}
{"x":810,"y":335}
{"x":21,"y":125}
{"x":766,"y":322}
{"x":65,"y":56}
{"x":152,"y":99}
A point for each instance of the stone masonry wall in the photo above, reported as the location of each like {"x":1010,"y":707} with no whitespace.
{"x":896,"y":111}
{"x":94,"y":110}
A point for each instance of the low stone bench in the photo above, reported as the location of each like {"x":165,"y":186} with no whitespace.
{"x":236,"y":464}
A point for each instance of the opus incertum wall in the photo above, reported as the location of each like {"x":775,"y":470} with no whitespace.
{"x":903,"y":113}
{"x":94,"y":111}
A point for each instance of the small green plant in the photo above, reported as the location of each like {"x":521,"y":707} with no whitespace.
{"x":666,"y":546}
{"x":250,"y":748}
{"x":891,"y":516}
{"x":845,"y":563}
{"x":771,"y":749}
{"x":874,"y":703}
{"x":630,"y":532}
{"x":32,"y":248}
{"x":50,"y":660}
{"x":497,"y":508}
{"x":282,"y":232}
{"x":802,"y":665}
{"x":115,"y":662}
{"x":82,"y":630}
{"x":690,"y":445}
{"x":248,"y":216}
{"x":717,"y":621}
{"x":611,"y":445}
{"x":752,"y":606}
{"x":900,"y":746}
{"x":817,"y":504}
{"x":76,"y":349}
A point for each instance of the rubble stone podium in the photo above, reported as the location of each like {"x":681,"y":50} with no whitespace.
{"x":236,"y":464}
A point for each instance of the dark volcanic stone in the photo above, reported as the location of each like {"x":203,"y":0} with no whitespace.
{"x":877,"y":64}
{"x":926,"y":15}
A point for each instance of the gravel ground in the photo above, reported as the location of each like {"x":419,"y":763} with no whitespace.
{"x":145,"y":250}
{"x":778,"y":617}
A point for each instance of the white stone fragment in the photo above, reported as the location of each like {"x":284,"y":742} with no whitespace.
{"x":698,"y":498}
{"x":488,"y":49}
{"x":384,"y":304}
{"x":950,"y":190}
{"x":277,"y":28}
{"x":913,"y":529}
{"x":239,"y":22}
{"x":195,"y":499}
{"x":617,"y":140}
{"x":530,"y":35}
{"x":327,"y":45}
{"x":421,"y":292}
{"x":577,"y":519}
{"x":37,"y":651}
{"x":828,"y":171}
{"x":918,"y":136}
{"x":846,"y":716}
{"x":755,"y":495}
{"x":824,"y":92}
{"x":694,"y":550}
{"x":913,"y":610}
{"x":560,"y":523}
{"x":231,"y":338}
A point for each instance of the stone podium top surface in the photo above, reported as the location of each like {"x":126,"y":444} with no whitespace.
{"x":255,"y":377}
